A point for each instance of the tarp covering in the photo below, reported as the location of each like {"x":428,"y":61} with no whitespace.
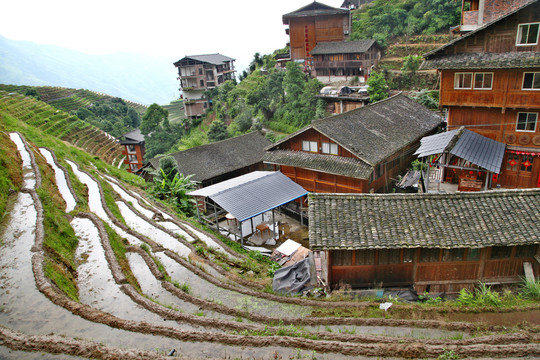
{"x":292,"y":279}
{"x":253,"y":194}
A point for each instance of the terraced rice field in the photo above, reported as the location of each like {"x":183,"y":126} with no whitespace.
{"x":88,"y":272}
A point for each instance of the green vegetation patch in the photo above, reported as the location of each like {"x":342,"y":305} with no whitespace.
{"x":61,"y":278}
{"x":11,"y":176}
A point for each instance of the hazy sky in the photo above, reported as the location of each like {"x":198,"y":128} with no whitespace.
{"x":236,"y":28}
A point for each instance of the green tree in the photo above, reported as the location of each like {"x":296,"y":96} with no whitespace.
{"x":378,"y":89}
{"x":169,"y":166}
{"x":217,"y":131}
{"x":154,"y":117}
{"x":32,"y":92}
{"x":409,"y":68}
{"x":293,"y":82}
{"x":174,"y":189}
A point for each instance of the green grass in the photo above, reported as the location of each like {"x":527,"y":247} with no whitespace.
{"x":11,"y":176}
{"x":62,"y":279}
{"x":118,"y":245}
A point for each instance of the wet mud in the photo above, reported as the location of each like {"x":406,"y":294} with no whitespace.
{"x":162,"y":326}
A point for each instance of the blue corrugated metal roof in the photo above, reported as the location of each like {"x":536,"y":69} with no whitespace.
{"x":435,"y":144}
{"x":480,"y":150}
{"x":253,"y":194}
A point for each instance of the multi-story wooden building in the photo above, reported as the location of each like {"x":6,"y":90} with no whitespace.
{"x":476,"y":13}
{"x":359,"y":151}
{"x":198,"y":73}
{"x":133,"y":142}
{"x":344,"y":60}
{"x":315,"y":23}
{"x":490,"y":84}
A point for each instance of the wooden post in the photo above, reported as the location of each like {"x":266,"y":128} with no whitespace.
{"x":273,"y":225}
{"x":482,"y":266}
{"x":215,"y":214}
{"x":487,"y":179}
{"x":241,"y":234}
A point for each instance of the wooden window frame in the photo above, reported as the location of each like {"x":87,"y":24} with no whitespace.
{"x":483,"y":80}
{"x":520,"y":32}
{"x":526,"y":122}
{"x":458,"y":74}
{"x":535,"y":75}
{"x":310,"y":146}
{"x":330,"y":146}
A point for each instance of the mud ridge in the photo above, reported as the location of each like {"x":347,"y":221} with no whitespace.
{"x":53,"y":344}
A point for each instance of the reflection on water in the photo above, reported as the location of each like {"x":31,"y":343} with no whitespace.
{"x":61,"y":182}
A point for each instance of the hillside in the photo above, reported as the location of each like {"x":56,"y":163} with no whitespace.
{"x":135,"y":77}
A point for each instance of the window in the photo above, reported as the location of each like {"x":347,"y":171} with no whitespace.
{"x":453,"y":254}
{"x":483,"y":81}
{"x":131,"y":149}
{"x":200,"y":71}
{"x":202,"y":83}
{"x":525,"y":251}
{"x":310,"y":146}
{"x":526,"y":122}
{"x":473,"y":254}
{"x":132,"y":158}
{"x":512,"y":163}
{"x":501,"y":252}
{"x":527,"y":34}
{"x":429,"y":255}
{"x":329,"y":148}
{"x":463,"y":81}
{"x":408,"y":255}
{"x":133,"y":167}
{"x":526,"y":163}
{"x":531,"y":81}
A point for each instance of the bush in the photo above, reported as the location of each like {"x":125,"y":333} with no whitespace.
{"x":481,"y":296}
{"x":530,"y":289}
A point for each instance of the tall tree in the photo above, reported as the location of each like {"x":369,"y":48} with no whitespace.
{"x":154,"y":117}
{"x":378,"y":89}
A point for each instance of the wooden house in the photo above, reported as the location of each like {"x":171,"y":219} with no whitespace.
{"x":359,"y":151}
{"x":432,"y":242}
{"x":133,"y":143}
{"x":313,"y":24}
{"x":345,"y":60}
{"x":490,"y":84}
{"x":476,"y":13}
{"x":198,"y":73}
{"x":221,"y":160}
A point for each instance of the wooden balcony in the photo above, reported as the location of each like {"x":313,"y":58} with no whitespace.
{"x":346,"y":64}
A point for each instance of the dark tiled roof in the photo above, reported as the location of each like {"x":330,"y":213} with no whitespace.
{"x":336,"y":165}
{"x":376,"y":131}
{"x":134,"y":135}
{"x":508,"y":60}
{"x":211,"y":160}
{"x":314,"y":9}
{"x":215,"y":59}
{"x":373,"y":221}
{"x":342,"y":47}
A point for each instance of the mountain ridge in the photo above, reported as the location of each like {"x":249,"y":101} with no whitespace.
{"x":136,"y":77}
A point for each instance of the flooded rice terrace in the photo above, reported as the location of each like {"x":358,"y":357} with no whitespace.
{"x":198,"y":318}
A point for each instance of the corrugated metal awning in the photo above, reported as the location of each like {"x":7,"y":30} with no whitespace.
{"x":252,"y":194}
{"x":480,"y":150}
{"x":435,"y":144}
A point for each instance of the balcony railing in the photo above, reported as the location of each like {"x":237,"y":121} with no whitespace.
{"x":342,"y":64}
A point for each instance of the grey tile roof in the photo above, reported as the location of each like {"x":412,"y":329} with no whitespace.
{"x":314,"y":9}
{"x":134,"y":135}
{"x":215,"y":59}
{"x":508,"y":60}
{"x":376,"y":131}
{"x":336,"y":165}
{"x":342,"y":47}
{"x":376,"y":221}
{"x":435,"y":144}
{"x":214,"y":159}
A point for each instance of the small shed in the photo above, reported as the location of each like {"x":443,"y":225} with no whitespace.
{"x":245,"y":199}
{"x":463,"y":157}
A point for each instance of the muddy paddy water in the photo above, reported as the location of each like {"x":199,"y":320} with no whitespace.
{"x":28,"y":173}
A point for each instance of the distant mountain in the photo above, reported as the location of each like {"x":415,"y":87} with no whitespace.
{"x":136,"y":77}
